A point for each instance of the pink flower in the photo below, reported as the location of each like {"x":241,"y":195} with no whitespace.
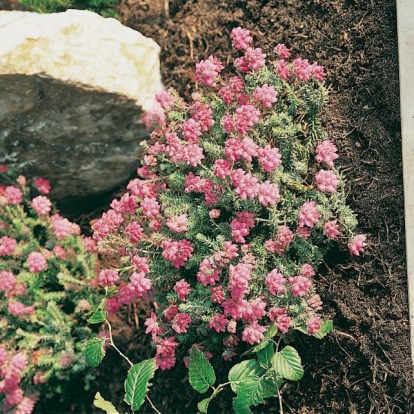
{"x":39,"y":378}
{"x":62,"y":227}
{"x":234,"y":308}
{"x":307,"y":270}
{"x":181,"y":323}
{"x":134,"y":231}
{"x":191,"y":130}
{"x":65,"y":360}
{"x":300,"y":285}
{"x":165,"y":358}
{"x":255,"y":58}
{"x":241,"y":38}
{"x":279,"y":316}
{"x":232,"y":150}
{"x":207,"y":71}
{"x":282,"y":69}
{"x":13,"y":194}
{"x":17,"y":308}
{"x":171,"y":312}
{"x":268,"y":194}
{"x":253,"y":333}
{"x":150,"y":207}
{"x":214,"y":213}
{"x":41,"y":204}
{"x":108,"y":277}
{"x":332,"y":229}
{"x":140,"y":284}
{"x":240,"y":276}
{"x":269,"y":158}
{"x":183,"y":289}
{"x":240,"y":226}
{"x":208,"y":275}
{"x":178,"y":224}
{"x":7,"y":245}
{"x":152,"y":325}
{"x":248,"y":149}
{"x":357,"y":244}
{"x":155,"y":117}
{"x":275,"y":282}
{"x":318,"y":72}
{"x":246,"y":117}
{"x":112,"y":306}
{"x":283,"y":239}
{"x":177,"y":252}
{"x":302,"y":69}
{"x":202,"y":113}
{"x":21,"y":179}
{"x":7,"y":281}
{"x":3,"y":168}
{"x":217,"y":294}
{"x":218,"y":323}
{"x":265,"y":94}
{"x":89,"y":244}
{"x":165,"y":99}
{"x":36,"y":262}
{"x":326,"y":152}
{"x":327,"y":181}
{"x":254,"y":310}
{"x":59,"y":252}
{"x":308,"y":215}
{"x":140,"y":264}
{"x":282,"y":51}
{"x":42,"y":185}
{"x":314,"y":325}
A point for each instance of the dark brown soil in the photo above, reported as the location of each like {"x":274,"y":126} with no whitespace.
{"x":364,"y":366}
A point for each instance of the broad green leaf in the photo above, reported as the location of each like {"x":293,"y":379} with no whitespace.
{"x":201,"y":373}
{"x":137,"y":382}
{"x":95,"y":351}
{"x":203,"y":405}
{"x":98,"y":317}
{"x":246,"y":369}
{"x":288,"y":364}
{"x":240,"y":407}
{"x":101,"y":403}
{"x":326,"y":327}
{"x":265,"y":355}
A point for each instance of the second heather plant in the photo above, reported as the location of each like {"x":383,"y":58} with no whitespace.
{"x":237,"y":203}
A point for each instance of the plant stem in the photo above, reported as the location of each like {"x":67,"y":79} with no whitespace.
{"x":114,"y":346}
{"x":152,"y":405}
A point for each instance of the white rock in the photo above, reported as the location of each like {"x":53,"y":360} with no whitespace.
{"x":72,"y":88}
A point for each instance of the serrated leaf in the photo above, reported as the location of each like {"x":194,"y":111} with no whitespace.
{"x":240,"y":408}
{"x":201,"y":373}
{"x":326,"y":327}
{"x":288,"y":364}
{"x":98,"y":317}
{"x":137,"y":382}
{"x":203,"y":405}
{"x":244,"y":370}
{"x":95,"y":351}
{"x":101,"y":403}
{"x":265,"y":355}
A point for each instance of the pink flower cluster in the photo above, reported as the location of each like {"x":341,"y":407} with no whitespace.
{"x":42,"y":205}
{"x":309,"y":214}
{"x":240,"y":226}
{"x":357,"y":244}
{"x":327,"y":181}
{"x":326,"y":152}
{"x":7,"y":246}
{"x":282,"y":240}
{"x":176,"y":252}
{"x":13,"y":194}
{"x":42,"y":185}
{"x":36,"y":262}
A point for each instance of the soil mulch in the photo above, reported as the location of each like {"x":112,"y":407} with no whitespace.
{"x":364,"y":366}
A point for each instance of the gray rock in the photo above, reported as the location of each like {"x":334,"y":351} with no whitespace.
{"x":73,"y":87}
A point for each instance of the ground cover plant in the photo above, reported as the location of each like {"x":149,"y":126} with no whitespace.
{"x":237,"y":203}
{"x":46,"y":267}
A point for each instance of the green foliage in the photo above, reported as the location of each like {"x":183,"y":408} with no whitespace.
{"x":201,"y":373}
{"x":137,"y":382}
{"x":101,"y":403}
{"x":106,"y":8}
{"x":43,"y":310}
{"x":95,"y":351}
{"x":287,"y":363}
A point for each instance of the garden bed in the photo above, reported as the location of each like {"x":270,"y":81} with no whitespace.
{"x":364,"y":365}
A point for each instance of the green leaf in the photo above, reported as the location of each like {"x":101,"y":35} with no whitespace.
{"x":104,"y":405}
{"x":265,"y":355}
{"x":326,"y":327}
{"x":201,"y":373}
{"x":203,"y":405}
{"x":95,"y":351}
{"x":244,"y":370}
{"x":288,"y":364}
{"x":137,"y":382}
{"x":240,"y":407}
{"x":98,"y":317}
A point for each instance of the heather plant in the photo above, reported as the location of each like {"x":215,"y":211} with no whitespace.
{"x":45,"y":269}
{"x":238,"y":200}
